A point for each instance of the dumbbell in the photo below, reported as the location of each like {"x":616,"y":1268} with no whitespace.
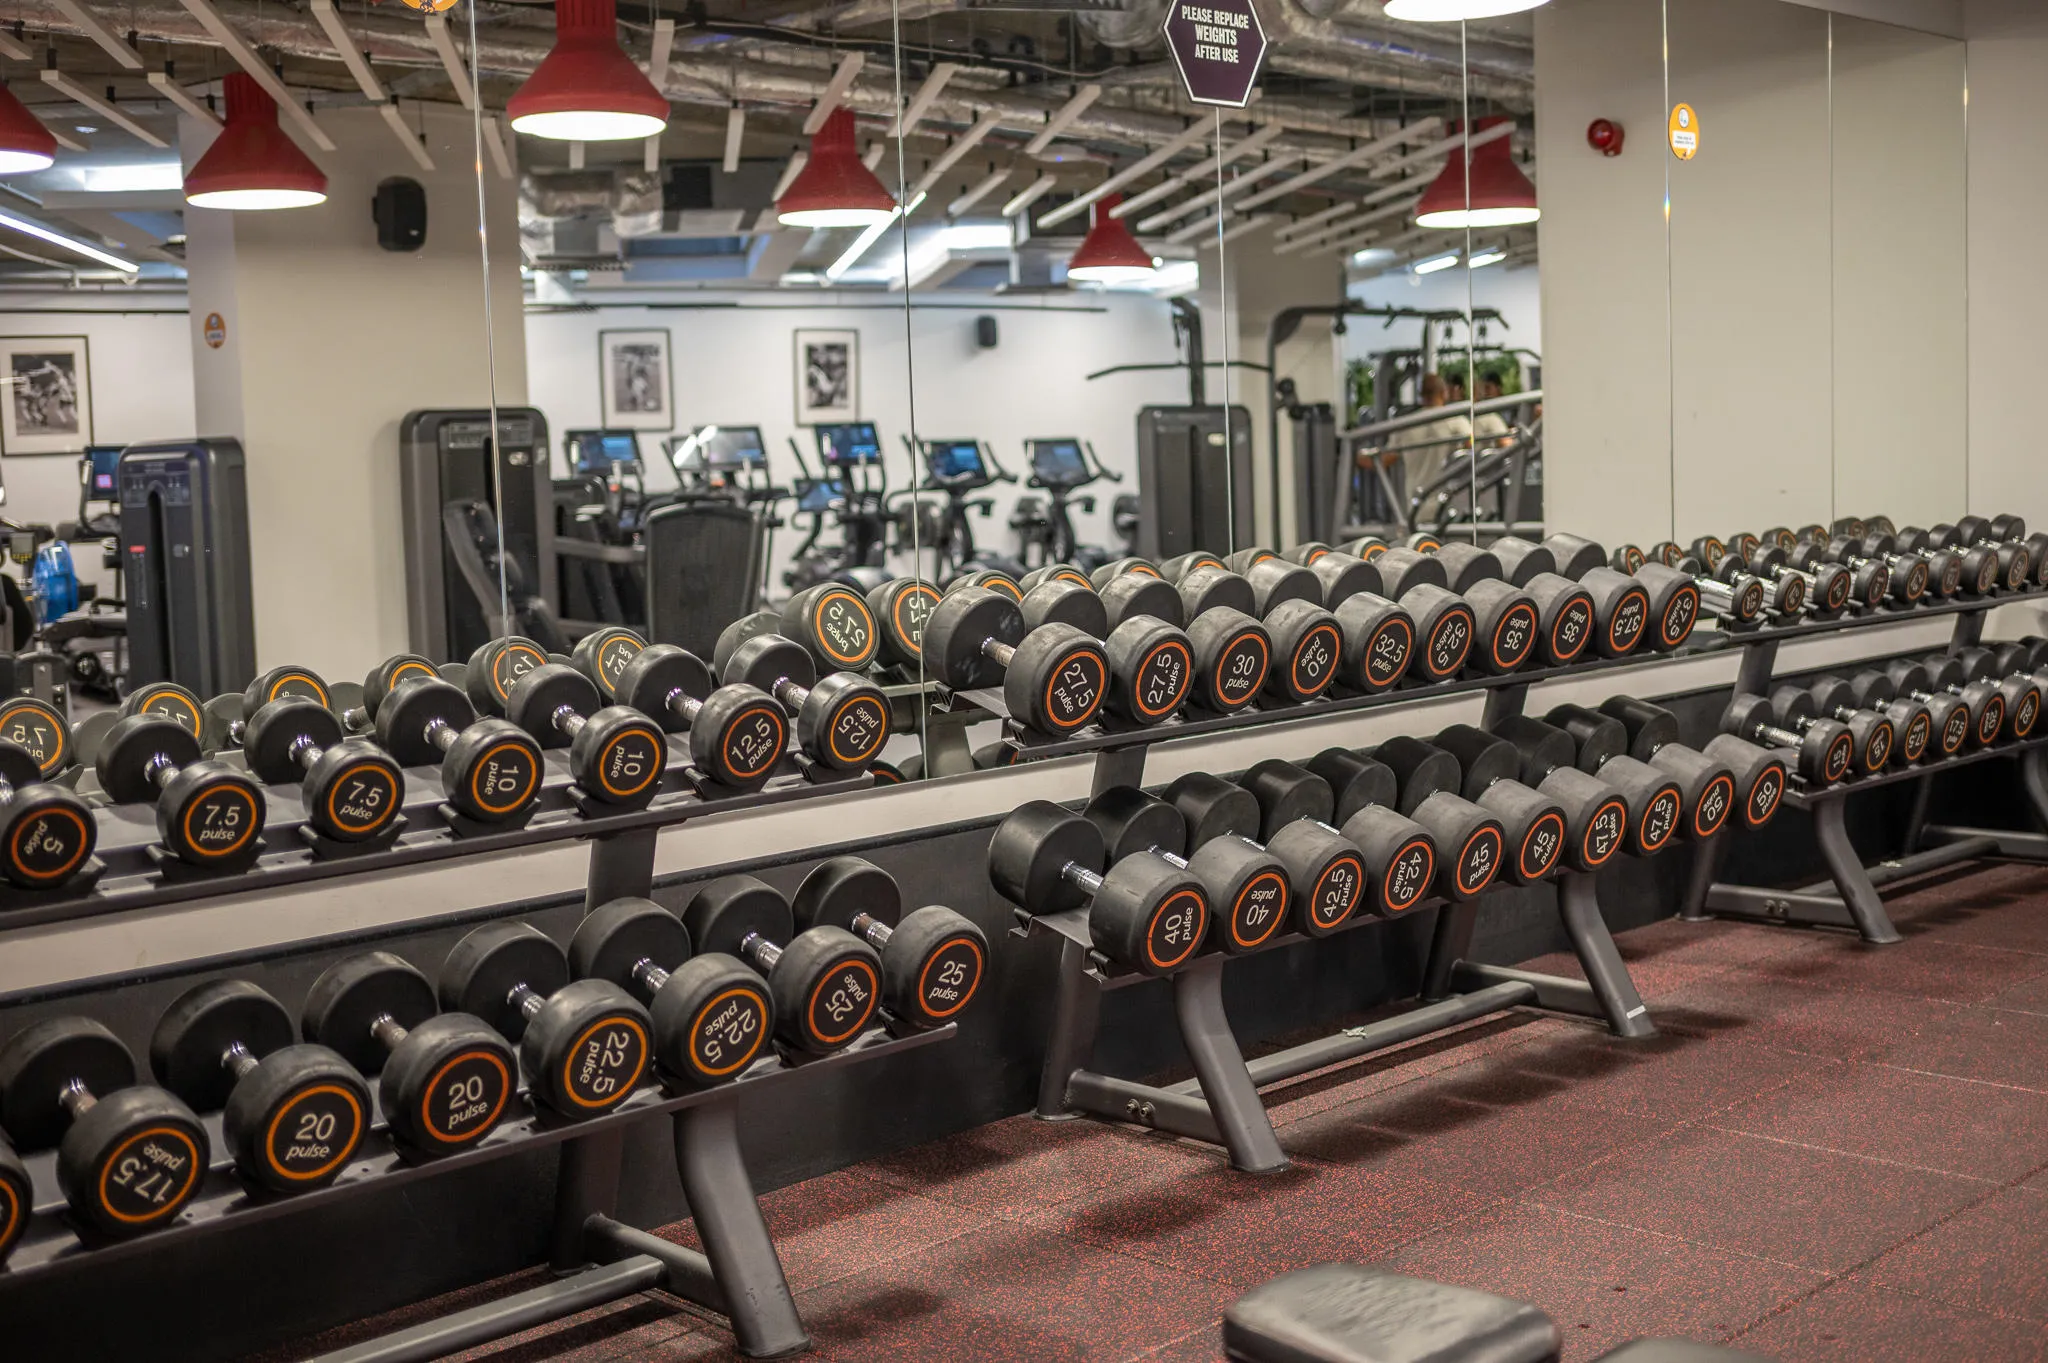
{"x":490,"y":768}
{"x":351,"y":788}
{"x":1824,"y":751}
{"x":1871,"y":692}
{"x":710,"y":1014}
{"x":1953,"y":722}
{"x":207,"y":812}
{"x":1985,"y":701}
{"x":1123,"y":596}
{"x":583,"y":1044}
{"x":37,"y":729}
{"x":47,"y":833}
{"x":2022,"y":559}
{"x":829,"y":619}
{"x":1143,"y":911}
{"x":842,"y":721}
{"x":1304,"y":641}
{"x":129,"y":1155}
{"x":1249,"y":889}
{"x":444,"y":1080}
{"x":1977,"y":571}
{"x":1054,"y":678}
{"x":17,"y":1199}
{"x":292,"y":1113}
{"x":1597,"y":818}
{"x":1784,"y":593}
{"x":933,"y":958}
{"x":1475,"y":617}
{"x":1485,"y":772}
{"x":1621,"y":605}
{"x":616,"y":752}
{"x":825,"y":981}
{"x":1341,"y":575}
{"x":1151,"y":662}
{"x":737,"y":733}
{"x":1944,"y":561}
{"x":1736,"y":597}
{"x":2020,"y":691}
{"x":1874,"y":735}
{"x":1674,"y":593}
{"x":1108,"y":572}
{"x":900,"y":608}
{"x":1471,"y":840}
{"x":1659,"y":806}
{"x":1870,"y":579}
{"x":1725,"y":778}
{"x":1905,"y":576}
{"x":1564,"y":609}
{"x":994,"y":579}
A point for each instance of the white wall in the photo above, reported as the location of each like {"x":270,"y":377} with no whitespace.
{"x":735,"y":366}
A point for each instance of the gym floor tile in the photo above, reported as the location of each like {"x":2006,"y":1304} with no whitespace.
{"x":1852,"y":1321}
{"x":1926,"y":1121}
{"x":1022,"y":1164}
{"x":1841,"y":1024}
{"x":1774,"y":1199}
{"x":1717,"y":942}
{"x":1652,"y":977}
{"x":1672,"y":1077}
{"x":1995,"y":1045}
{"x":1243,"y":1229}
{"x":2031,"y":997}
{"x":1501,"y":1151}
{"x":1923,"y":966}
{"x":839,"y":1223}
{"x":1198,"y":1346}
{"x":1336,"y":1085}
{"x":1605,"y":1283}
{"x":1991,"y":1257}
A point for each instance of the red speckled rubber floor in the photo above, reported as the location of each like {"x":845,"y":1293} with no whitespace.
{"x":1832,"y":1152}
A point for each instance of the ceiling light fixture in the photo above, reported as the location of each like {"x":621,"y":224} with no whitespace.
{"x":25,"y":144}
{"x":585,"y":89}
{"x":1500,"y":195}
{"x":253,"y":164}
{"x":835,"y":188}
{"x":36,"y":229}
{"x":1450,"y":11}
{"x":1109,"y":254}
{"x":1485,"y":258}
{"x":1435,"y":263}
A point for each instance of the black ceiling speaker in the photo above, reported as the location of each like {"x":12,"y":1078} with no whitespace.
{"x":985,"y":332}
{"x":401,"y":212}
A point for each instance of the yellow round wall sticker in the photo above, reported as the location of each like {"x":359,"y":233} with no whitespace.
{"x":1685,"y":132}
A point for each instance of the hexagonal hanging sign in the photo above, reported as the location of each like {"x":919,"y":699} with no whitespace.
{"x":1218,"y":45}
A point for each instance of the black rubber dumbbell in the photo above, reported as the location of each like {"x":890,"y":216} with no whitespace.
{"x":1108,"y":572}
{"x":1674,"y":594}
{"x":1471,"y":841}
{"x":833,"y":621}
{"x":993,"y":579}
{"x":1179,"y":566}
{"x":1341,"y":575}
{"x":1784,"y":593}
{"x":2022,"y":559}
{"x":207,"y":812}
{"x":444,"y":1080}
{"x":1944,"y":561}
{"x":710,"y":1014}
{"x":1737,"y":597}
{"x":2007,"y":528}
{"x":352,"y":789}
{"x":616,"y":753}
{"x":583,"y":1044}
{"x":17,"y":1199}
{"x":1564,"y":609}
{"x":1597,"y":817}
{"x":737,"y":733}
{"x":1873,"y":690}
{"x":1304,"y":641}
{"x":1986,"y":700}
{"x":1823,"y":750}
{"x":1907,"y":577}
{"x":1247,"y":890}
{"x":842,"y":720}
{"x":900,"y":608}
{"x":1475,"y":618}
{"x":1054,"y":678}
{"x":1870,"y":580}
{"x":1534,"y":828}
{"x":1658,"y":804}
{"x":1621,"y":605}
{"x":933,"y":958}
{"x":1144,"y":912}
{"x":825,"y":981}
{"x":1713,"y":786}
{"x":1151,"y":661}
{"x":1123,"y":596}
{"x":47,"y":833}
{"x":490,"y":768}
{"x":36,"y":728}
{"x":1876,"y":739}
{"x":129,"y":1155}
{"x":2020,"y":691}
{"x":1955,"y":727}
{"x":292,"y":1113}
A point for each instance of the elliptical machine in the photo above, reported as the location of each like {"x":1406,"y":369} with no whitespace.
{"x":1062,"y":467}
{"x":957,"y":468}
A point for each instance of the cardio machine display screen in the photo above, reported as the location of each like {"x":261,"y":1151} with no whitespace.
{"x":1059,"y":462}
{"x":853,"y":443}
{"x":596,"y":451}
{"x":721,"y":447}
{"x":954,"y":459}
{"x":103,"y":466}
{"x":815,"y":496}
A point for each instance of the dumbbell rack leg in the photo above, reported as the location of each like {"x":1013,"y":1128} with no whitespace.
{"x":1578,"y":899}
{"x":1226,"y":1084}
{"x":736,"y":1240}
{"x":1607,"y":993}
{"x":1855,"y":903}
{"x":1706,"y":865}
{"x":1076,"y":1017}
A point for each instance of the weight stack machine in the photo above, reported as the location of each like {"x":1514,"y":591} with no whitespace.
{"x":185,"y":564}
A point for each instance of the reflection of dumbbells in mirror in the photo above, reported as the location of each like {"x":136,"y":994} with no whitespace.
{"x":443,"y":1079}
{"x":1565,"y":611}
{"x":129,"y":1156}
{"x":1258,"y":627}
{"x":825,"y":981}
{"x":1144,"y":912}
{"x":831,"y":620}
{"x":1472,"y":842}
{"x":47,"y":833}
{"x":737,"y":733}
{"x":1870,"y":579}
{"x":1247,"y":888}
{"x":1465,"y":610}
{"x":1907,"y":577}
{"x":1151,"y":661}
{"x":1484,"y":773}
{"x":900,"y":609}
{"x":1054,"y":678}
{"x":1670,"y":603}
{"x":616,"y":753}
{"x":291,"y":1113}
{"x":37,"y":728}
{"x":583,"y":1044}
{"x":1803,"y":583}
{"x":842,"y":721}
{"x":1823,"y":750}
{"x":1984,"y":701}
{"x":490,"y":768}
{"x":933,"y":958}
{"x":207,"y":813}
{"x":352,"y":789}
{"x":2020,"y":690}
{"x":1660,"y":807}
{"x":710,"y":1014}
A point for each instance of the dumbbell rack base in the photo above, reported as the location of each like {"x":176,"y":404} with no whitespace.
{"x":1221,"y":1104}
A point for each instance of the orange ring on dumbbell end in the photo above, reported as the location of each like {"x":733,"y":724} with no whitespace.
{"x":625,"y":1020}
{"x":1586,"y":849}
{"x":1557,"y":648}
{"x":10,"y":1204}
{"x":1460,"y":612}
{"x":170,"y":1209}
{"x":525,"y":792}
{"x":22,"y":868}
{"x":505,"y":1087}
{"x":760,"y":1033}
{"x":1358,"y":878}
{"x":874,"y":985}
{"x":1492,"y":867}
{"x":902,"y":626}
{"x":284,"y":1110}
{"x":1664,"y":625}
{"x":1330,"y":673}
{"x":1700,"y":807}
{"x":302,"y":677}
{"x":881,"y":728}
{"x":1239,"y":938}
{"x":1265,"y":660}
{"x":1643,"y":827}
{"x":924,"y":980}
{"x":1101,"y":661}
{"x":499,"y":682}
{"x":1493,"y":644}
{"x":1187,"y":667}
{"x":657,"y":741}
{"x":1775,"y":790}
{"x":1422,"y":882}
{"x":192,"y":807}
{"x":1194,"y":938}
{"x":334,"y":794}
{"x":780,"y":721}
{"x":824,"y":639}
{"x":1551,"y":817}
{"x":1616,"y":644}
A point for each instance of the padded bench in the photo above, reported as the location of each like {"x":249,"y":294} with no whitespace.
{"x":1347,"y":1313}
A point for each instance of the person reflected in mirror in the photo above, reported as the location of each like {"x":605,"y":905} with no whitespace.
{"x":1491,"y":426}
{"x":1423,"y":450}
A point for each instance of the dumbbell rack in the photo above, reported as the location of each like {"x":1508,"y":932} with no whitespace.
{"x":597,"y":1258}
{"x":1221,"y":1104}
{"x":1855,"y":902}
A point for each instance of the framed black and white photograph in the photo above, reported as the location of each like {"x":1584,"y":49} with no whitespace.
{"x":48,"y":404}
{"x":827,"y":377}
{"x":634,"y":374}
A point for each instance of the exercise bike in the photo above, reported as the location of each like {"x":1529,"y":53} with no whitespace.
{"x":956,"y":468}
{"x":1062,"y":467}
{"x":854,"y":490}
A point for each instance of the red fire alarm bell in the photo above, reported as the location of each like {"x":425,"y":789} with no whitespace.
{"x":1605,"y":136}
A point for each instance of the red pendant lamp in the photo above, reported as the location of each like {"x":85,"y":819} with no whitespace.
{"x":25,"y":144}
{"x":835,"y":188}
{"x":253,"y":164}
{"x":1109,"y":254}
{"x":1501,"y":195}
{"x":585,"y":90}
